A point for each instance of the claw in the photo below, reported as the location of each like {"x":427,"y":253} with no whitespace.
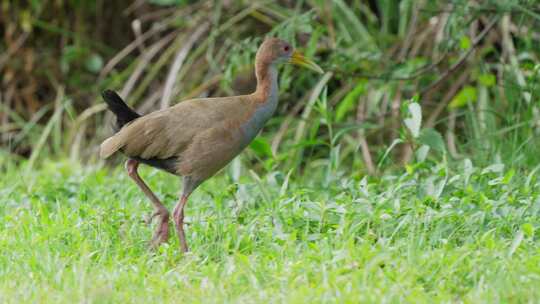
{"x":162,"y":233}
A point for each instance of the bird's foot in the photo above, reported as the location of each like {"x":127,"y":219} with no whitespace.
{"x":162,"y":230}
{"x":184,"y":247}
{"x":182,"y":237}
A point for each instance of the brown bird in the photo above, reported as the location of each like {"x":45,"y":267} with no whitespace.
{"x":196,"y":138}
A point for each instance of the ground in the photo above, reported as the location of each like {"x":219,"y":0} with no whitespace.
{"x":431,"y":233}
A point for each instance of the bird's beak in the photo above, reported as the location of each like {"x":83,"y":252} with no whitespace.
{"x":299,"y":59}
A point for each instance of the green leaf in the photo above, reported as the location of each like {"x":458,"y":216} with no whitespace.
{"x":414,"y":122}
{"x":494,"y":168}
{"x":261,"y":146}
{"x":508,"y":176}
{"x":349,"y":102}
{"x":392,"y":145}
{"x":487,"y":80}
{"x":528,"y":229}
{"x":518,"y":238}
{"x":465,"y":43}
{"x":466,"y":95}
{"x":430,"y":137}
{"x":422,"y":153}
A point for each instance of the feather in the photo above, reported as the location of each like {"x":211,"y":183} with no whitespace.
{"x":110,"y":146}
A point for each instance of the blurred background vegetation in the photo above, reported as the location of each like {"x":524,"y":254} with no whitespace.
{"x":472,"y":66}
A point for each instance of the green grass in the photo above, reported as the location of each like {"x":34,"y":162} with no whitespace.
{"x":72,"y":234}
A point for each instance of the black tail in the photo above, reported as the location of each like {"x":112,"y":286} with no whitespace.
{"x":124,"y":114}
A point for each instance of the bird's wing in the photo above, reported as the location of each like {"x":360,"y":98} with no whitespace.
{"x":166,"y":133}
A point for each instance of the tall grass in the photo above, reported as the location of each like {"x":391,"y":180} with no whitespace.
{"x":474,"y":67}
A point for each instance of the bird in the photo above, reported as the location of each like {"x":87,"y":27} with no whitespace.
{"x":195,"y":138}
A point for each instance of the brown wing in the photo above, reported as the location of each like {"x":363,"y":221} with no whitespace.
{"x":166,"y":133}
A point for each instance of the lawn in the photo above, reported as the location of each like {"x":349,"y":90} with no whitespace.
{"x":434,"y":232}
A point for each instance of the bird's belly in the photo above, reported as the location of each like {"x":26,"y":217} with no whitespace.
{"x":210,"y":153}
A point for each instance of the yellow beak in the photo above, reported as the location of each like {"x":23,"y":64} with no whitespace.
{"x":299,"y":59}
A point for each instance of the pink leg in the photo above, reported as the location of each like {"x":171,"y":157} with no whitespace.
{"x":162,"y":232}
{"x":178,"y":217}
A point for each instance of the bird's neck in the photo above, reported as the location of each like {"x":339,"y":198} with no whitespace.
{"x":265,"y":99}
{"x":267,"y":83}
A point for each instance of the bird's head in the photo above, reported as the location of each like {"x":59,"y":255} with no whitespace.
{"x":275,"y":51}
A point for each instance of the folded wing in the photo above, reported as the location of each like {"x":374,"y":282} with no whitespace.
{"x":167,"y":133}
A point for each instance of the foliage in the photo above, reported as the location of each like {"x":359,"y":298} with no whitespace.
{"x":472,"y":67}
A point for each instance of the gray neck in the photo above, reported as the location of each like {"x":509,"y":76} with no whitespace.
{"x":267,"y":87}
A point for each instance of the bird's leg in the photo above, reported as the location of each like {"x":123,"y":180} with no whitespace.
{"x":178,"y":217}
{"x":162,"y":231}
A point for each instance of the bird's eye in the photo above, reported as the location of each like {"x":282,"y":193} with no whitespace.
{"x":286,"y":48}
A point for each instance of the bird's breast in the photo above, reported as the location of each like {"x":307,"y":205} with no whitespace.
{"x":258,"y":119}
